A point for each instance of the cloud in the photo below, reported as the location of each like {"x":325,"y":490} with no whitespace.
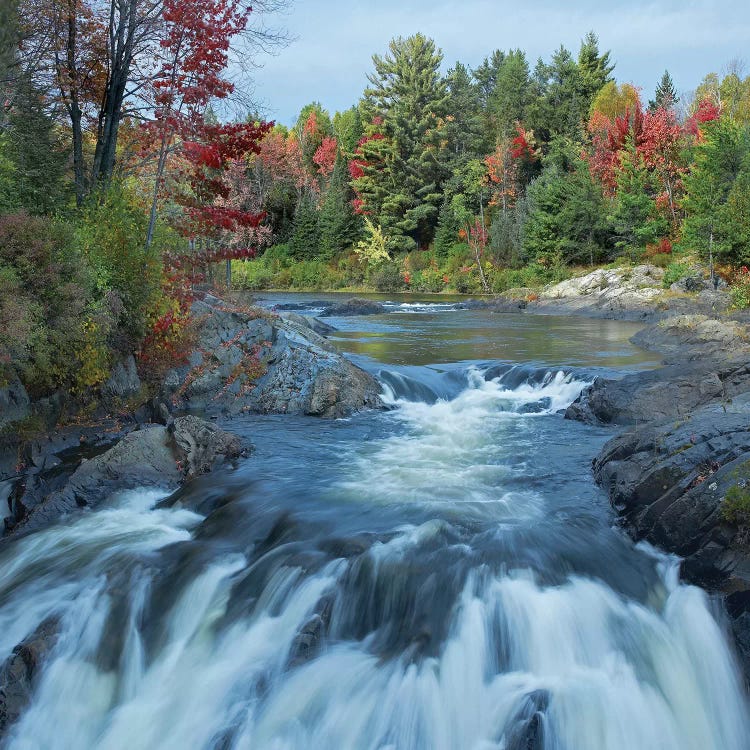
{"x":335,"y":40}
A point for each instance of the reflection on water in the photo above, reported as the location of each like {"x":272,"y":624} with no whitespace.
{"x":438,"y":334}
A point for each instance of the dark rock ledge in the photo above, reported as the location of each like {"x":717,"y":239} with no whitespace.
{"x":679,"y":475}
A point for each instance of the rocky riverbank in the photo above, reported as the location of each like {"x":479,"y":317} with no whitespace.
{"x":678,"y":476}
{"x":246,"y":360}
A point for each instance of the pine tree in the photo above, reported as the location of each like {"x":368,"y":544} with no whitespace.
{"x":464,"y":128}
{"x":566,"y":221}
{"x":404,"y":169}
{"x":32,"y":159}
{"x":635,"y":218}
{"x":510,"y":97}
{"x":339,"y":226}
{"x":595,"y":68}
{"x":665,"y":95}
{"x":719,"y":159}
{"x":304,"y":242}
{"x":734,"y":218}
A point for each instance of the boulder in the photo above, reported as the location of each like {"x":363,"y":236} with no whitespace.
{"x":20,"y":673}
{"x":695,"y":336}
{"x":154,"y":456}
{"x":354,"y":306}
{"x":124,"y":381}
{"x":617,"y":287}
{"x":14,"y":401}
{"x":670,"y":392}
{"x":252,"y":361}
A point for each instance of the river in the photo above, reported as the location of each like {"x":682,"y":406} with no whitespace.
{"x":443,"y":575}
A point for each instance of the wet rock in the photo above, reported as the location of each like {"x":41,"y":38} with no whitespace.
{"x":526,"y":729}
{"x":124,"y":381}
{"x":20,"y":673}
{"x":15,"y":404}
{"x":153,"y":456}
{"x":252,"y":361}
{"x":354,"y":306}
{"x":669,"y":392}
{"x":669,"y":481}
{"x":306,"y":322}
{"x":201,"y":445}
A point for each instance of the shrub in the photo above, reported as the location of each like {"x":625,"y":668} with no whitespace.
{"x":429,"y":280}
{"x":110,"y":236}
{"x":674,"y":272}
{"x":736,"y":506}
{"x":740,"y":289}
{"x":387,"y":277}
{"x":48,"y":326}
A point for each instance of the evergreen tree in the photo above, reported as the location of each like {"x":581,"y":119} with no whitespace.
{"x":719,"y":159}
{"x":595,"y":69}
{"x":635,"y":218}
{"x":347,"y":127}
{"x":339,"y":226}
{"x":32,"y":159}
{"x":449,"y":225}
{"x":566,"y":220}
{"x":558,"y":107}
{"x":507,"y":233}
{"x":734,"y":218}
{"x":304,"y":242}
{"x":486,"y":76}
{"x":464,"y":128}
{"x":510,"y":97}
{"x":666,"y":95}
{"x":408,"y":101}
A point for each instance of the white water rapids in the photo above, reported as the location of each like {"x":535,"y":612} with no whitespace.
{"x":169,"y":640}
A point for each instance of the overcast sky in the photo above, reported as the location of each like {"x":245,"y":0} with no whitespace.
{"x":334,"y":40}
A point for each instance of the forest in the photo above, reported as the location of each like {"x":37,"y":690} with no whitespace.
{"x":133,"y":171}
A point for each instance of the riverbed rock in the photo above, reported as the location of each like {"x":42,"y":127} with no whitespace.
{"x":20,"y":673}
{"x":673,"y":391}
{"x":616,"y":287}
{"x":124,"y":382}
{"x":695,"y":336}
{"x":354,"y":306}
{"x":154,"y":456}
{"x":668,"y":482}
{"x":248,"y":360}
{"x":15,"y":404}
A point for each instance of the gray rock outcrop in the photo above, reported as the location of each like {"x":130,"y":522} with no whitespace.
{"x":252,"y":361}
{"x":154,"y":456}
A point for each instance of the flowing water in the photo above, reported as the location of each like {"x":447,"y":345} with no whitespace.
{"x":443,"y":575}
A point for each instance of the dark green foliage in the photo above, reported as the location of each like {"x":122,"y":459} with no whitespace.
{"x":43,"y":306}
{"x":506,"y":235}
{"x":666,"y":95}
{"x":339,"y":226}
{"x":512,"y":94}
{"x":405,"y":169}
{"x":595,"y":68}
{"x":566,"y":221}
{"x":387,"y":277}
{"x":32,"y":159}
{"x":464,"y":129}
{"x":635,"y":218}
{"x":719,"y":159}
{"x":304,"y":242}
{"x":446,"y":236}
